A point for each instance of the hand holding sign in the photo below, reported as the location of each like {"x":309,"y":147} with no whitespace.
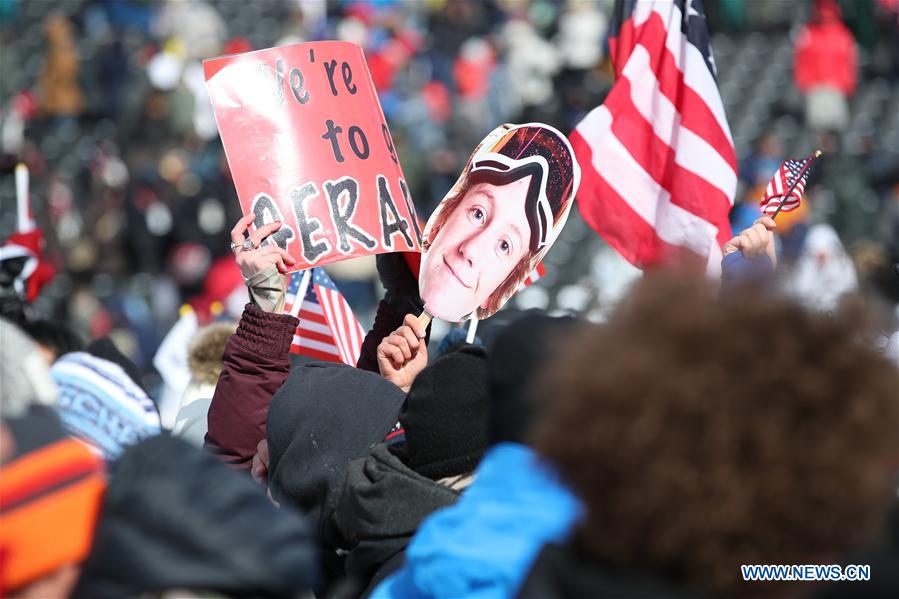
{"x":403,"y":353}
{"x":255,"y":259}
{"x":308,"y":146}
{"x":496,"y":223}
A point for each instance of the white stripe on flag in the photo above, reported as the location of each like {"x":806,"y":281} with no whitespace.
{"x":333,"y":320}
{"x":313,"y":307}
{"x":687,"y":57}
{"x":651,"y":202}
{"x":315,"y":327}
{"x":691,"y":151}
{"x":313,"y":344}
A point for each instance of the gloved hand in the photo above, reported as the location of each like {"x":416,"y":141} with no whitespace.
{"x":400,"y":283}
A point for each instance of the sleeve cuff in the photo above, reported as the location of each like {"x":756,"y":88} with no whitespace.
{"x":266,"y":333}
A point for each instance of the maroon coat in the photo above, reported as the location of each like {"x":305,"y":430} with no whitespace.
{"x":257,"y":362}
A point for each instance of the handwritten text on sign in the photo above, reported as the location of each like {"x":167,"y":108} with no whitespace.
{"x":308,"y":145}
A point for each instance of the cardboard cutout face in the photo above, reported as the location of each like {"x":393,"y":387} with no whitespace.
{"x":496,"y":223}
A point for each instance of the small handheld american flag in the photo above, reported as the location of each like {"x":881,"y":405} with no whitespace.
{"x":328,"y":330}
{"x":784,"y":191}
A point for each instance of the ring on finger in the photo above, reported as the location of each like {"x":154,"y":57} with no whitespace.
{"x":247,"y":245}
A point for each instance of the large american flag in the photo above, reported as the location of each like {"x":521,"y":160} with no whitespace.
{"x":783,"y":179}
{"x":658,"y":161}
{"x":328,"y":330}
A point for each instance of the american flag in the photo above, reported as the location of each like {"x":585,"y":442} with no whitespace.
{"x":535,"y":276}
{"x":328,"y":330}
{"x":658,"y":161}
{"x":782,"y":181}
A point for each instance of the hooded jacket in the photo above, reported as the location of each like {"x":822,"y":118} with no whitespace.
{"x":204,"y":358}
{"x":175,"y":518}
{"x":257,"y":361}
{"x":484,"y":545}
{"x":379,"y":507}
{"x":325,"y":416}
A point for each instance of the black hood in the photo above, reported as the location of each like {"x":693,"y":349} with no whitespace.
{"x":174,"y":517}
{"x":323,"y":417}
{"x":380,"y":506}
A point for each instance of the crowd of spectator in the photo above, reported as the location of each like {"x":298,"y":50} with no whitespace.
{"x":105,"y":101}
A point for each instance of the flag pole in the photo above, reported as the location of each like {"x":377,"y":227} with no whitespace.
{"x":24,"y":222}
{"x":472,"y":330}
{"x":301,"y":293}
{"x":795,"y":182}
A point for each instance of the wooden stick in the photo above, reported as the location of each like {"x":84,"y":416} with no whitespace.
{"x":24,"y":222}
{"x":472,"y":330}
{"x":301,"y":293}
{"x":424,"y":319}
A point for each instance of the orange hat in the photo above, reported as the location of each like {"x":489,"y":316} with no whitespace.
{"x":50,"y":499}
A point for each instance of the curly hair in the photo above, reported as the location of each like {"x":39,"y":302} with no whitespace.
{"x":704,"y":433}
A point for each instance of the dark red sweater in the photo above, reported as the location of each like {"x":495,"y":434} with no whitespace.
{"x":257,"y":362}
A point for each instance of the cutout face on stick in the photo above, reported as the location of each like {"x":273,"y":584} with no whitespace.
{"x":496,"y":223}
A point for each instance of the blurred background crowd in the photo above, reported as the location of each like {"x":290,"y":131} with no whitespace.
{"x":104,"y":100}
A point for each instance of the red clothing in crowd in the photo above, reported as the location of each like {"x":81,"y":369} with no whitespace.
{"x":825,"y":53}
{"x":256,"y":364}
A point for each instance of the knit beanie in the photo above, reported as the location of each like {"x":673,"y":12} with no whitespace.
{"x":445,"y":416}
{"x":515,"y":359}
{"x":105,"y":349}
{"x":51,"y":489}
{"x":101,"y":404}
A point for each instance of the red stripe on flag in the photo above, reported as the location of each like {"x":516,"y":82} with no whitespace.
{"x":313,"y":317}
{"x":349,"y":323}
{"x":611,"y":215}
{"x":695,"y":113}
{"x":688,"y":190}
{"x":336,"y":319}
{"x":314,"y":353}
{"x":305,"y":333}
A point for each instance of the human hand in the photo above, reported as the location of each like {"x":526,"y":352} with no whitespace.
{"x":257,"y":259}
{"x":403,"y":353}
{"x":755,"y":241}
{"x":400,"y":283}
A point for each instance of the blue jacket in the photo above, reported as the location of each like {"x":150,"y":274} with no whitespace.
{"x":485,"y":544}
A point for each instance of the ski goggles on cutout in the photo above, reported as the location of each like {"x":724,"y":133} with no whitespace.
{"x":498,"y":169}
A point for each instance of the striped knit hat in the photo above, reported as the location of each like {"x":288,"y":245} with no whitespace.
{"x":99,"y":403}
{"x":51,"y":487}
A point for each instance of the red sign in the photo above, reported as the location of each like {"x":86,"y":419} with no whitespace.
{"x":308,"y":145}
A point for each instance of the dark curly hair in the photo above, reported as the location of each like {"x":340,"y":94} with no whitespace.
{"x":704,"y":433}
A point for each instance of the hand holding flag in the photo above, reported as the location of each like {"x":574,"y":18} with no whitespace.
{"x":755,"y":241}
